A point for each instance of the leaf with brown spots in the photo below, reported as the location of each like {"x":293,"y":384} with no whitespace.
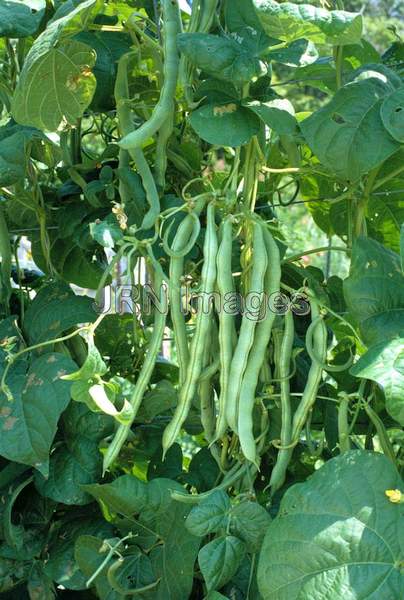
{"x":28,"y":424}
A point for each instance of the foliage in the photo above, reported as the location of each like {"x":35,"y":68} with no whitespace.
{"x":231,"y":426}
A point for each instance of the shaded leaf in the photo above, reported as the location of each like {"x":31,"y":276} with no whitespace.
{"x":20,"y":19}
{"x":384,"y":364}
{"x":55,"y":309}
{"x":28,"y":422}
{"x":374,"y":291}
{"x":210,"y":515}
{"x":220,"y":559}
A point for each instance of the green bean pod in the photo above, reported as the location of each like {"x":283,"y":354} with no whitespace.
{"x":278,"y":473}
{"x":144,"y":376}
{"x":257,"y":354}
{"x":126,"y":126}
{"x":315,"y":373}
{"x":176,"y":272}
{"x":199,"y":339}
{"x":227,"y":328}
{"x":247,"y":329}
{"x":206,"y":390}
{"x":165,"y":106}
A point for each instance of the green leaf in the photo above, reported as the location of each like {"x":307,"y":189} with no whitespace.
{"x":243,"y":23}
{"x":55,"y":90}
{"x":79,"y":421}
{"x":55,"y":309}
{"x":374,"y":291}
{"x":61,"y":565}
{"x":384,"y":364}
{"x":158,"y":401}
{"x":72,"y":465}
{"x":106,"y":232}
{"x":222,"y":57}
{"x":17,"y":143}
{"x":225,"y":124}
{"x":20,"y":19}
{"x":170,"y":467}
{"x":56,"y":84}
{"x":347,"y":134}
{"x":126,"y":495}
{"x":12,"y":573}
{"x":89,"y":554}
{"x":337,"y":535}
{"x":28,"y":423}
{"x":39,"y":585}
{"x":134,"y":571}
{"x":203,"y":470}
{"x":156,"y":510}
{"x":249,"y":521}
{"x":289,"y":22}
{"x":385,"y":213}
{"x":392,"y":113}
{"x":210,"y":515}
{"x":109,"y":46}
{"x":220,"y":559}
{"x":299,"y":53}
{"x":277,"y":114}
{"x":215,"y":596}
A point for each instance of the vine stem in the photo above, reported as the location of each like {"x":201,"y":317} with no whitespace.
{"x":12,"y":358}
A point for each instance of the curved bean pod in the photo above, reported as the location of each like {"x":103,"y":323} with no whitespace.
{"x":181,"y":241}
{"x":165,"y":106}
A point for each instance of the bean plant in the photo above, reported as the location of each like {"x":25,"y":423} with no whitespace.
{"x":189,"y":409}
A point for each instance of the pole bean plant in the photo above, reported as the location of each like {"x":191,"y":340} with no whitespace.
{"x":189,"y":407}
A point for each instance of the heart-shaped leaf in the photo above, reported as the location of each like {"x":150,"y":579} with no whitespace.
{"x":337,"y":535}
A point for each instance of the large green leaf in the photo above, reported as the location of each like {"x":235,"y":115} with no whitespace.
{"x":385,"y":213}
{"x":56,"y":84}
{"x":384,"y":363}
{"x":289,"y":22}
{"x":222,"y":57}
{"x":392,"y":113}
{"x":210,"y":515}
{"x":249,"y":521}
{"x":29,"y":420}
{"x":347,"y":134}
{"x":220,"y":559}
{"x":57,"y":89}
{"x":20,"y":19}
{"x":337,"y":535}
{"x":17,"y":143}
{"x":277,"y":114}
{"x":225,"y":124}
{"x":374,"y":291}
{"x":134,"y":571}
{"x":73,"y":464}
{"x":61,"y":565}
{"x":158,"y":513}
{"x":55,"y":309}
